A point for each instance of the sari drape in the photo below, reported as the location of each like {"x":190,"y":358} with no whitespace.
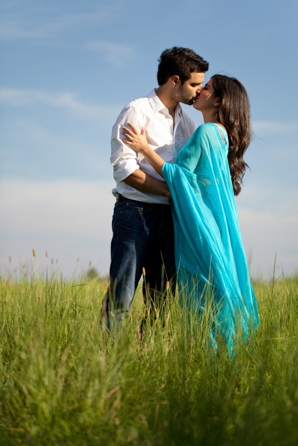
{"x":209,"y":253}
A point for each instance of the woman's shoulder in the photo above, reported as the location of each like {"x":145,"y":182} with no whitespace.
{"x":205,"y":131}
{"x":207,"y":127}
{"x":209,"y":130}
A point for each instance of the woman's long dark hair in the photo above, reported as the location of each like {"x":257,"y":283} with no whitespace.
{"x":234,"y":114}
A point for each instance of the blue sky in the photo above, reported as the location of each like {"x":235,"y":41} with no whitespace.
{"x":67,"y":69}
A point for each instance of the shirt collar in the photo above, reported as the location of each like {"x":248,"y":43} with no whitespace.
{"x":157,"y":105}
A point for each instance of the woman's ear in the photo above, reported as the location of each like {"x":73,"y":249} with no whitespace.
{"x":216,"y":102}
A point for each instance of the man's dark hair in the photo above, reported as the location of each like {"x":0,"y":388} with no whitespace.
{"x":180,"y":62}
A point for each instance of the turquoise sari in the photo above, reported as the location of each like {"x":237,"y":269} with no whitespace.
{"x":209,"y":253}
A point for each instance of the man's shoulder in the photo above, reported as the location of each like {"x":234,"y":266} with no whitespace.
{"x":138,"y":102}
{"x":135,"y":110}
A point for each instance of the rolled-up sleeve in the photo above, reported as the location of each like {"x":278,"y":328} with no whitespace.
{"x":123,"y":158}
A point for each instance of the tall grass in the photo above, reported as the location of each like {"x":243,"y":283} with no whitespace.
{"x":65,"y":381}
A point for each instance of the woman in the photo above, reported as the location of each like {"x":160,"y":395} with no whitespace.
{"x":208,"y":173}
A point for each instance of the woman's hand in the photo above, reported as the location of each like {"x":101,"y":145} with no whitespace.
{"x":134,"y":139}
{"x":138,"y":141}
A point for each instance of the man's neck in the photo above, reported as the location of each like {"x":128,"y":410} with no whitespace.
{"x":167,"y":100}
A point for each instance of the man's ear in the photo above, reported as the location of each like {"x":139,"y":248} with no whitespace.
{"x":175,"y":80}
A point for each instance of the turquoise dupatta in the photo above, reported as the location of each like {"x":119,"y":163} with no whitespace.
{"x":208,"y":246}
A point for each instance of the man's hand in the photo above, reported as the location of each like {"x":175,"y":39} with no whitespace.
{"x":146,"y":183}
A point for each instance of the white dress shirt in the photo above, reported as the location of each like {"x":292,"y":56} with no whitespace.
{"x":164,"y":137}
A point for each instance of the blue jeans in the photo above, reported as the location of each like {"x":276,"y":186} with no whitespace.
{"x":143,"y":240}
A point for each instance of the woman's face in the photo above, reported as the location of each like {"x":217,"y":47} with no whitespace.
{"x":206,"y":99}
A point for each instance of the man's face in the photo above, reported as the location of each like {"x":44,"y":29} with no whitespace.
{"x":189,"y":91}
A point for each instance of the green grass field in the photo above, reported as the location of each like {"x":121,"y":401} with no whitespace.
{"x":65,"y":382}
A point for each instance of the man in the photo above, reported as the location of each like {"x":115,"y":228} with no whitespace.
{"x":143,"y":238}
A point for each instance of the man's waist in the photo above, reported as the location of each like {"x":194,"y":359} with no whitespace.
{"x":120,"y":198}
{"x":125,"y":191}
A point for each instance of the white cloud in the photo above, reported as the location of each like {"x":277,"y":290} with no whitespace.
{"x":43,"y":23}
{"x":115,"y":53}
{"x":71,"y":219}
{"x":269,"y":223}
{"x":64,"y":100}
{"x":275,"y":197}
{"x":65,"y":206}
{"x":272,"y":127}
{"x":67,"y":219}
{"x":266,"y":235}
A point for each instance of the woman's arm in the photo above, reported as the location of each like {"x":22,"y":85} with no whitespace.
{"x":191,"y":153}
{"x":138,"y":142}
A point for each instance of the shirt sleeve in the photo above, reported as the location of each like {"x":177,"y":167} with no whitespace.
{"x":123,"y":158}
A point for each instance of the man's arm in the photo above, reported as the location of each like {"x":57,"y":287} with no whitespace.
{"x":125,"y":160}
{"x":146,"y":183}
